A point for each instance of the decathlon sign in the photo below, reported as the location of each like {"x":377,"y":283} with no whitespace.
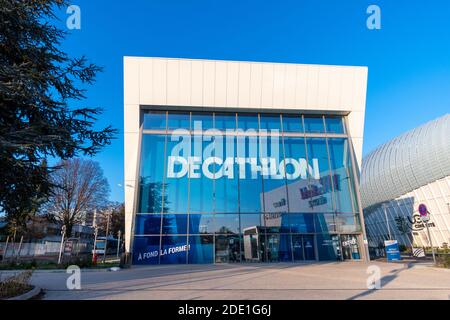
{"x":234,"y":154}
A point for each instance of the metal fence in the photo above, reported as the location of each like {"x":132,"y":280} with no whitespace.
{"x":41,"y":249}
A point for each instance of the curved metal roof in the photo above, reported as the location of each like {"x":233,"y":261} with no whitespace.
{"x":407,"y":162}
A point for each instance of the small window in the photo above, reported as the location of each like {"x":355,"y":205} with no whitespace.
{"x":155,"y":120}
{"x":334,"y":124}
{"x":314,"y":124}
{"x":292,"y":123}
{"x":178,"y":120}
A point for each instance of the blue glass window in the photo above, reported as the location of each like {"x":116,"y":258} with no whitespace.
{"x":146,"y":250}
{"x":278,"y":248}
{"x":320,"y":188}
{"x":325,"y":222}
{"x":226,"y":223}
{"x":178,"y":120}
{"x":267,"y":196}
{"x":174,"y":224}
{"x":201,"y":187}
{"x":201,"y":223}
{"x":226,"y":184}
{"x":328,"y":247}
{"x":334,"y":124}
{"x":223,"y":121}
{"x":301,"y":222}
{"x":342,"y":175}
{"x":248,"y":121}
{"x":250,"y":178}
{"x":155,"y":120}
{"x":297,"y":173}
{"x":147,"y":224}
{"x":177,"y":174}
{"x":201,"y":121}
{"x":174,"y":249}
{"x":270,"y":122}
{"x":347,"y":223}
{"x":251,"y":221}
{"x":201,"y":249}
{"x":277,"y":222}
{"x":151,"y":185}
{"x":292,"y":123}
{"x":314,"y":124}
{"x":228,"y":248}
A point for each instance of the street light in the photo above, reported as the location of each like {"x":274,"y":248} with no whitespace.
{"x":107,"y":233}
{"x":63,"y":233}
{"x":94,"y":253}
{"x":118,"y":242}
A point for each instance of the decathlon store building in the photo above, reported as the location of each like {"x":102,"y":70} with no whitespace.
{"x":242,"y":161}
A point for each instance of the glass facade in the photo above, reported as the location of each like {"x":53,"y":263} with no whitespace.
{"x":244,"y":187}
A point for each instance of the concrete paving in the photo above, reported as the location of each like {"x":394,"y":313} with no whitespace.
{"x":344,"y":280}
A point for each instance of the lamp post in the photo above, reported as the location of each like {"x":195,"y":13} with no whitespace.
{"x":94,"y":253}
{"x":63,"y":233}
{"x":107,"y":233}
{"x":118,"y":242}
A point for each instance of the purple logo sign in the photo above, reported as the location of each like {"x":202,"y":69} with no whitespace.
{"x":423,"y":210}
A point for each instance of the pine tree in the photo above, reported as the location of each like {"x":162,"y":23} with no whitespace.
{"x":37,"y":83}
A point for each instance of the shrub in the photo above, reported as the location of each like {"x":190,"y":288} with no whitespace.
{"x":16,"y":285}
{"x":443,"y":261}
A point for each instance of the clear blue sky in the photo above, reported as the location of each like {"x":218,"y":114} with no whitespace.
{"x":408,"y":59}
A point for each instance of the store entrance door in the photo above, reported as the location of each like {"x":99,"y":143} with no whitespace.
{"x":303,"y":247}
{"x":350,"y":248}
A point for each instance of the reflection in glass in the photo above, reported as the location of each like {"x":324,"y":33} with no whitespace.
{"x":223,"y":121}
{"x":151,"y":174}
{"x":292,"y":123}
{"x":248,"y":121}
{"x":227,"y":249}
{"x":334,"y":124}
{"x":147,"y":224}
{"x":173,"y":249}
{"x":177,"y":187}
{"x":201,"y":249}
{"x":201,"y":223}
{"x":201,"y":121}
{"x":314,"y":124}
{"x":187,"y":214}
{"x":146,"y":250}
{"x":227,"y":186}
{"x":174,"y":224}
{"x":320,"y":188}
{"x":341,"y":166}
{"x":155,"y":120}
{"x":226,"y":223}
{"x":270,"y":122}
{"x":201,"y":187}
{"x":178,"y":120}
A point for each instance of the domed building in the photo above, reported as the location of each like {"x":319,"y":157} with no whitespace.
{"x":411,"y":169}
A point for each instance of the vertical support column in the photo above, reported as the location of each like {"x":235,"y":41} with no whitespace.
{"x":365,"y":245}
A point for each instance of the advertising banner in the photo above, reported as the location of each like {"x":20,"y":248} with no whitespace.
{"x":392,"y":250}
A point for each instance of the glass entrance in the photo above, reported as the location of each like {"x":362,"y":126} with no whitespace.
{"x":350,"y":248}
{"x":303,"y":247}
{"x":297,"y":246}
{"x":227,"y":249}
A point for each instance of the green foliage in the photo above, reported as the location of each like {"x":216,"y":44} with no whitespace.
{"x":37,"y":82}
{"x":443,"y":261}
{"x":16,"y":285}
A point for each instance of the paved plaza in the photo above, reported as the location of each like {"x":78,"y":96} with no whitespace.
{"x":345,"y":280}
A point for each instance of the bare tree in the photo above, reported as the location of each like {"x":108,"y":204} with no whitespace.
{"x":115,"y":213}
{"x":81,"y":187}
